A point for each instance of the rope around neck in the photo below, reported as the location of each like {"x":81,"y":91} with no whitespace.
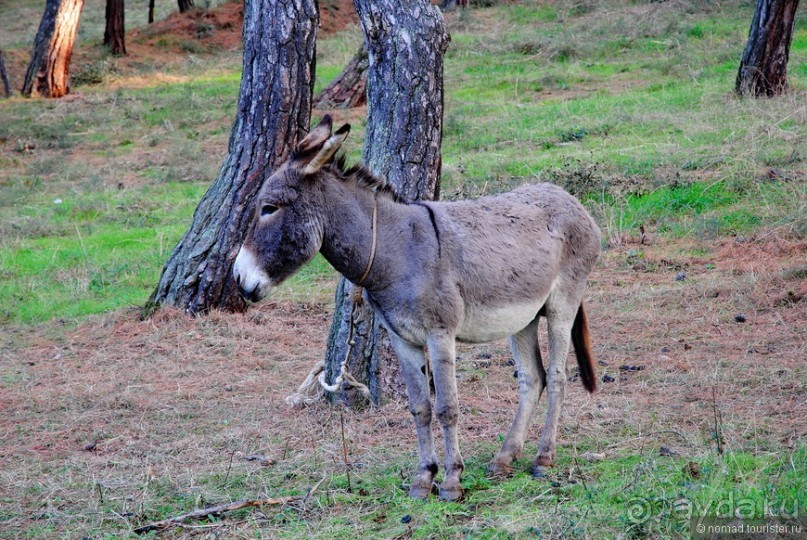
{"x":373,"y":246}
{"x":309,"y":392}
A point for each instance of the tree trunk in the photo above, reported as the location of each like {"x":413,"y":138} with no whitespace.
{"x":114,"y":34}
{"x":763,"y":68}
{"x":274,"y":111}
{"x":406,"y":42}
{"x":151,"y":11}
{"x":4,"y":77}
{"x":185,"y":5}
{"x":348,"y":90}
{"x":448,"y":5}
{"x":49,"y":71}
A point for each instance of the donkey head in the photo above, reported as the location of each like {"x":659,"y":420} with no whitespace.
{"x":287,"y":228}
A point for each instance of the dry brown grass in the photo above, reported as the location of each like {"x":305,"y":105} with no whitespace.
{"x":140,"y":411}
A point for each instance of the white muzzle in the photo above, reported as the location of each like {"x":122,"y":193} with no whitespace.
{"x":252,"y":281}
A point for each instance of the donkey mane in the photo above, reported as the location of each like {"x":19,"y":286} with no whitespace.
{"x":365,"y":179}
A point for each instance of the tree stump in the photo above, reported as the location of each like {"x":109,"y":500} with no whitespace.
{"x":348,"y":90}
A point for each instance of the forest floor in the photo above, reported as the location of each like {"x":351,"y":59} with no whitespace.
{"x":116,"y":422}
{"x":699,"y":329}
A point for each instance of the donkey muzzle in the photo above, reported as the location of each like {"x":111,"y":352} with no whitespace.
{"x":253,"y":283}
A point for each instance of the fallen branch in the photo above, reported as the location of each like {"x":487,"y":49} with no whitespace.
{"x":177,"y":521}
{"x":213,"y":511}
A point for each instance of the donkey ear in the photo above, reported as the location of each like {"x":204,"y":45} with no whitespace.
{"x":316,"y":138}
{"x":327,"y":151}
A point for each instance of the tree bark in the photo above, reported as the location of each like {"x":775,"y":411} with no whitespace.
{"x":349,"y":89}
{"x":48,"y":73}
{"x":405,"y":42}
{"x":274,"y":112}
{"x":185,"y":5}
{"x":4,"y":77}
{"x":114,"y":34}
{"x":763,"y":68}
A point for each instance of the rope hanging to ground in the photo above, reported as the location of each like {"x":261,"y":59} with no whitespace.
{"x":314,"y":386}
{"x":309,"y":391}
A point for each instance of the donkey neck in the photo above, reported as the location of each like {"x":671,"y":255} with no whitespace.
{"x":348,"y":231}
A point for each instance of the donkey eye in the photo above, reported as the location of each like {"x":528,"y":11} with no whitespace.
{"x":268,"y":210}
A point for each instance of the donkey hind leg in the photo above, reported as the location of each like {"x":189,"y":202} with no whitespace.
{"x":412,"y":360}
{"x":441,"y":349}
{"x":560,"y":314}
{"x":531,"y":383}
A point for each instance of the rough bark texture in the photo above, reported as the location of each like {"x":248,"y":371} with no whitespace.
{"x":4,"y":77}
{"x":763,"y":69}
{"x":348,"y":90}
{"x":406,"y":42}
{"x":114,"y":33}
{"x":49,"y":71}
{"x":274,"y":111}
{"x":185,"y":5}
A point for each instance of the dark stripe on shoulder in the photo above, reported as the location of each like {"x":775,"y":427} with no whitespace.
{"x":433,"y":219}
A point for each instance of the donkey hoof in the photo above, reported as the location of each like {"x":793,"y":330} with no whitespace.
{"x":450,"y":493}
{"x":499,"y":470}
{"x":541,"y":465}
{"x":420,"y":491}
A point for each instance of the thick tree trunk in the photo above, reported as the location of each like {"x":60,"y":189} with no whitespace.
{"x":406,"y":42}
{"x":349,"y":89}
{"x":274,"y":111}
{"x":185,"y":5}
{"x":114,"y":34}
{"x":4,"y":77}
{"x":151,"y":11}
{"x":49,"y":71}
{"x":763,"y":68}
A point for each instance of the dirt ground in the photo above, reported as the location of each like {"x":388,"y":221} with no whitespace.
{"x":680,"y":329}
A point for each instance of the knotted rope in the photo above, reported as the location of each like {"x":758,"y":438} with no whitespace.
{"x":309,"y":391}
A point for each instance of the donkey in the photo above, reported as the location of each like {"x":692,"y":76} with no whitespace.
{"x":436,"y":273}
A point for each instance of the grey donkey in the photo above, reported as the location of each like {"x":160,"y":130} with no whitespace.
{"x":436,"y":273}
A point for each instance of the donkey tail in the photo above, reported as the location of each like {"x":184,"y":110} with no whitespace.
{"x":582,"y":349}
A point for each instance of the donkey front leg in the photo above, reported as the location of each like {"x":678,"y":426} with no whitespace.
{"x":441,"y":350}
{"x":559,"y":322}
{"x":412,"y":361}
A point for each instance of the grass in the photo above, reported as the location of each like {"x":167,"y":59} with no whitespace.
{"x":138,"y":394}
{"x":624,"y":106}
{"x":657,"y":498}
{"x":627,"y":105}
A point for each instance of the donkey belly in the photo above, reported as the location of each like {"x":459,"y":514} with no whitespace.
{"x":485,"y":323}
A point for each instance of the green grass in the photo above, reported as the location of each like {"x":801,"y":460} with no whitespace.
{"x":635,"y":496}
{"x":630,"y":108}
